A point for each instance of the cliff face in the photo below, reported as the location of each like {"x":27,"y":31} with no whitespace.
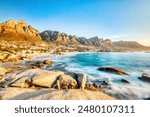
{"x":62,"y":38}
{"x":57,"y":37}
{"x":18,"y":31}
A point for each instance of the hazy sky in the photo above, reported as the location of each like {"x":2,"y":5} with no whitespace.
{"x":114,"y":19}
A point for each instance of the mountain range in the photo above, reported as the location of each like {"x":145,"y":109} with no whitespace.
{"x":106,"y":44}
{"x":19,"y":31}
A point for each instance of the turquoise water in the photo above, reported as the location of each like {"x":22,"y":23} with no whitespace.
{"x":135,"y":63}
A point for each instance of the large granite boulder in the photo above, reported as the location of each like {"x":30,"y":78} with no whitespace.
{"x":46,"y":79}
{"x":66,"y":82}
{"x":113,"y":70}
{"x":81,"y":80}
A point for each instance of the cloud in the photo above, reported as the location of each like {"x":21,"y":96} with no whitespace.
{"x":121,"y":36}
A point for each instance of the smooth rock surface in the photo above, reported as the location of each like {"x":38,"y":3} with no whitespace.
{"x":124,"y":81}
{"x":46,"y":79}
{"x":113,"y":70}
{"x":51,"y":94}
{"x":66,"y":82}
{"x":81,"y":80}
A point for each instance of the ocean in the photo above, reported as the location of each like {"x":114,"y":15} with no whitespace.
{"x":135,"y":63}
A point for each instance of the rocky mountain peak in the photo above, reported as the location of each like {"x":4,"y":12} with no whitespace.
{"x":13,"y":30}
{"x":22,"y":22}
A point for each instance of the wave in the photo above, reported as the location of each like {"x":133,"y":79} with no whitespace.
{"x":134,"y":63}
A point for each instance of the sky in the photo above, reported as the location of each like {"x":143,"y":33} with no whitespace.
{"x":127,"y":20}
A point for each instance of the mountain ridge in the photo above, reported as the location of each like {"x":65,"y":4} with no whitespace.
{"x":64,"y":39}
{"x":19,"y":31}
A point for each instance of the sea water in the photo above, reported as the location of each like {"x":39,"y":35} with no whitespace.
{"x":135,"y":63}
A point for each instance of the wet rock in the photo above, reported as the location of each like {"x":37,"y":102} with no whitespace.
{"x":95,"y":85}
{"x":66,"y":82}
{"x":124,"y":81}
{"x":38,"y":64}
{"x":145,"y":77}
{"x":148,"y":98}
{"x":105,"y":82}
{"x":48,"y":62}
{"x":113,"y":70}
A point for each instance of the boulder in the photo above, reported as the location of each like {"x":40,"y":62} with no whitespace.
{"x":81,"y":80}
{"x":92,"y":87}
{"x":105,"y":82}
{"x":66,"y":82}
{"x":145,"y":77}
{"x":113,"y":70}
{"x":95,"y":85}
{"x":148,"y":98}
{"x":22,"y":82}
{"x":48,"y":62}
{"x":46,"y":79}
{"x":124,"y":81}
{"x":38,"y":64}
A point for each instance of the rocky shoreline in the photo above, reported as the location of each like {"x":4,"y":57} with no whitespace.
{"x":18,"y":79}
{"x":21,"y":74}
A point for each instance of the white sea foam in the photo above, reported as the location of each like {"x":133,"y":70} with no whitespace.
{"x":134,"y":63}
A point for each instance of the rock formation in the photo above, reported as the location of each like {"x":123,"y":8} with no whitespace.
{"x":113,"y":70}
{"x":63,"y":38}
{"x":18,"y":31}
{"x":66,"y":82}
{"x":145,"y":77}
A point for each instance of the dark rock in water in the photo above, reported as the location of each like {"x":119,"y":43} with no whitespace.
{"x":147,"y":98}
{"x":48,"y":62}
{"x":113,"y":70}
{"x":124,"y":81}
{"x":105,"y":82}
{"x":145,"y":77}
{"x":95,"y":85}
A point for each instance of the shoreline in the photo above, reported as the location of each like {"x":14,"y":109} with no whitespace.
{"x":22,"y":68}
{"x":25,"y":65}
